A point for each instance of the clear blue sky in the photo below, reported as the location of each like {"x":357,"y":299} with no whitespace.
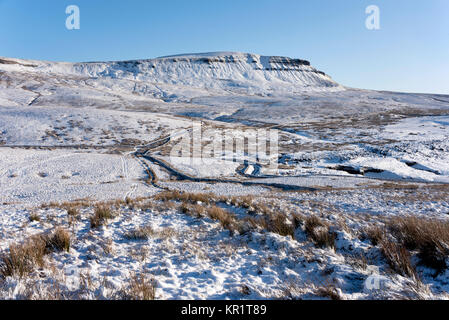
{"x":409,"y":53}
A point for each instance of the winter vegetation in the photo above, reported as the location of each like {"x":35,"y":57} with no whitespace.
{"x":93,"y":204}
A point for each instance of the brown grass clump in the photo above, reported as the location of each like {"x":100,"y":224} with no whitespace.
{"x":430,"y":237}
{"x":242,"y":201}
{"x":67,"y":204}
{"x":185,"y":197}
{"x":142,"y":204}
{"x":194,"y":210}
{"x":34,"y":217}
{"x":102,"y":213}
{"x":73,"y":212}
{"x":324,"y":239}
{"x":142,"y":233}
{"x":248,"y":202}
{"x":281,"y":225}
{"x":298,"y":220}
{"x":375,"y":234}
{"x":22,"y":259}
{"x":399,"y":259}
{"x":128,"y":201}
{"x":226,"y":219}
{"x":245,"y":290}
{"x":311,"y":223}
{"x":328,"y":291}
{"x":58,"y":241}
{"x":253,"y":223}
{"x":140,"y":288}
{"x":319,"y":232}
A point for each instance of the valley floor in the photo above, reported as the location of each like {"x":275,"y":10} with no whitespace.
{"x":94,"y":206}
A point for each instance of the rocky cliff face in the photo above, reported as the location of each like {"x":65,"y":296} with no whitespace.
{"x":249,"y":73}
{"x":177,"y":79}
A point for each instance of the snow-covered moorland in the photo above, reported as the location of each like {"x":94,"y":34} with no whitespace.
{"x":93,"y":205}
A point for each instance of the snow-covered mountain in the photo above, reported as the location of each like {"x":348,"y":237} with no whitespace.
{"x":75,"y":137}
{"x":220,"y":85}
{"x":178,"y":77}
{"x":239,"y":72}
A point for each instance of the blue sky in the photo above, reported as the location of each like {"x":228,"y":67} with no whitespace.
{"x":409,"y":53}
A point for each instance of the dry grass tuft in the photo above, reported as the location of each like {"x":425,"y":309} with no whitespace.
{"x":22,"y":259}
{"x":328,"y":291}
{"x":73,"y":212}
{"x":142,"y":233}
{"x":242,"y":201}
{"x":399,"y":259}
{"x":298,"y":220}
{"x":311,"y":223}
{"x":146,"y":232}
{"x":375,"y":234}
{"x":194,"y":210}
{"x":68,"y":204}
{"x":281,"y":225}
{"x":34,"y":217}
{"x":102,"y":213}
{"x":140,"y":288}
{"x":185,"y":197}
{"x":429,"y":236}
{"x":226,"y":219}
{"x":245,"y":290}
{"x":58,"y":241}
{"x":319,"y":232}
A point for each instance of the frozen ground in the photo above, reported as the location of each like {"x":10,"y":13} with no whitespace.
{"x":34,"y":177}
{"x":194,"y":257}
{"x":78,"y":137}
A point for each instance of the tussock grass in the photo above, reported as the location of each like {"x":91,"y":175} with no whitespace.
{"x":269,"y":221}
{"x":58,"y":241}
{"x":318,"y":231}
{"x":142,"y":233}
{"x":297,"y":220}
{"x":66,"y":205}
{"x":185,"y":197}
{"x":139,"y":202}
{"x":399,"y":259}
{"x":23,"y":258}
{"x":253,"y":223}
{"x":102,"y":214}
{"x":73,"y":212}
{"x":242,"y":201}
{"x":313,"y":222}
{"x":430,"y":237}
{"x":194,"y":210}
{"x":140,"y":288}
{"x":281,"y":225}
{"x":245,"y":290}
{"x":147,"y":232}
{"x":375,"y":234}
{"x":324,"y":239}
{"x":34,"y":217}
{"x":328,"y":291}
{"x":226,"y":219}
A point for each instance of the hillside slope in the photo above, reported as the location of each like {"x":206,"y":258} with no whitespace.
{"x":225,"y":72}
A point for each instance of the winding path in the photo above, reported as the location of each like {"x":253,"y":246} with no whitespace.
{"x":144,"y":152}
